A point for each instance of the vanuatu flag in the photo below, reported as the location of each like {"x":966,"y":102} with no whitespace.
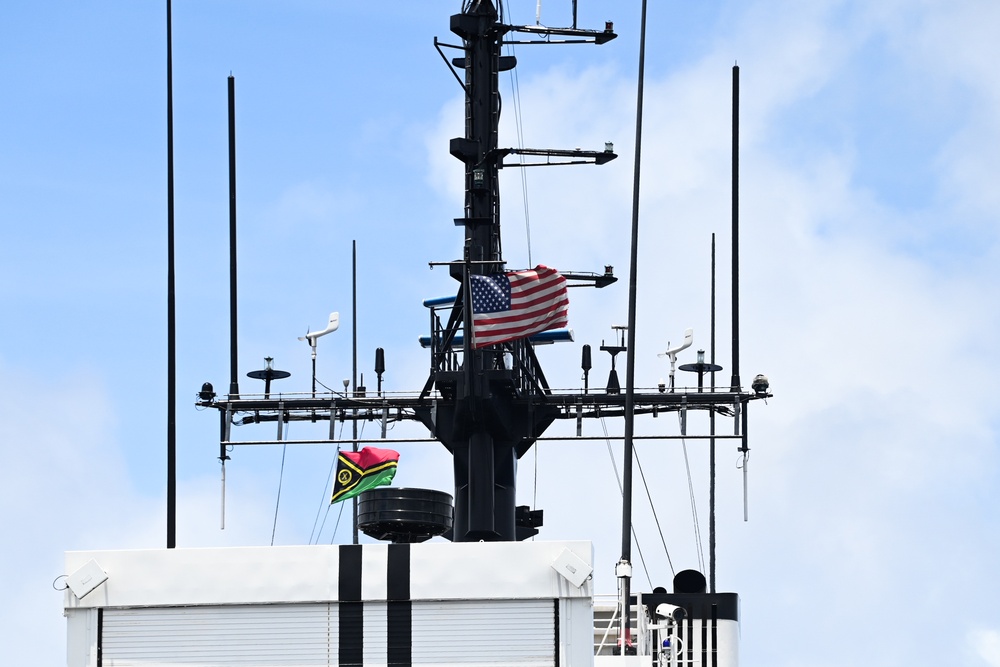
{"x":363,"y":470}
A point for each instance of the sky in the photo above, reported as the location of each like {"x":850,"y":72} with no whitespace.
{"x":868,"y":269}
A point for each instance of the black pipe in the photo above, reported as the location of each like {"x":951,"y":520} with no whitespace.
{"x":630,"y":362}
{"x":171,"y":315}
{"x":711,"y":447}
{"x":735,"y":383}
{"x":234,"y":386}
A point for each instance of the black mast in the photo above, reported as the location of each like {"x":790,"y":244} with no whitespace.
{"x":171,"y":327}
{"x":484,"y":458}
{"x":491,"y":414}
{"x":234,"y":386}
{"x":625,"y":567}
{"x":735,"y":383}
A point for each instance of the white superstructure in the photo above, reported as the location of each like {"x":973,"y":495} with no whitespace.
{"x":507,"y":603}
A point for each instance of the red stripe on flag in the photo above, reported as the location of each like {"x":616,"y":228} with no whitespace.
{"x":538,"y":302}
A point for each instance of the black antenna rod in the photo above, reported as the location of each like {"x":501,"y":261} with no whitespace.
{"x":234,"y":386}
{"x":354,"y":367}
{"x":735,"y":383}
{"x":625,"y":564}
{"x":171,"y":328}
{"x":711,"y":446}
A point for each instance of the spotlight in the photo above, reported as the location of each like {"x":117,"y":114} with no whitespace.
{"x":760,"y":384}
{"x":207,"y":392}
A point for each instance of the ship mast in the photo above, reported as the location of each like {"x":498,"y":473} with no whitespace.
{"x":495,"y":412}
{"x":489,"y":405}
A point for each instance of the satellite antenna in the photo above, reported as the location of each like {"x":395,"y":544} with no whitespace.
{"x":331,"y":326}
{"x":673,"y":351}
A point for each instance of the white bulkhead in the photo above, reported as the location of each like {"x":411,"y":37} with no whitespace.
{"x":506,"y":603}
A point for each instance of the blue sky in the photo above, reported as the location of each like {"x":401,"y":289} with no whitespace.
{"x":869,"y":252}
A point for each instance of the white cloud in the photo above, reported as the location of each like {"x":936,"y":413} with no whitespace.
{"x":986,"y":644}
{"x":866,"y":466}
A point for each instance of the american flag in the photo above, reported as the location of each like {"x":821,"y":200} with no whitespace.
{"x":507,"y":306}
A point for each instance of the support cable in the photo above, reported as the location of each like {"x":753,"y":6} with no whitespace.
{"x":277,"y":501}
{"x":324,"y":498}
{"x":354,"y":516}
{"x":337,"y":525}
{"x":329,"y":505}
{"x":621,"y":489}
{"x":524,"y":172}
{"x":694,"y":507}
{"x":655,"y":517}
{"x":519,"y":127}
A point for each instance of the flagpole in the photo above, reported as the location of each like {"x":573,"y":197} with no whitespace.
{"x":624,"y":569}
{"x":711,"y":444}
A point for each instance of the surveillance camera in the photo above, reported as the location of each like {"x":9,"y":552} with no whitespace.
{"x":670,"y":611}
{"x":760,"y":384}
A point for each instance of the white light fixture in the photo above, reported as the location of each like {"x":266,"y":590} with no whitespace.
{"x":572,"y":568}
{"x":86,"y":579}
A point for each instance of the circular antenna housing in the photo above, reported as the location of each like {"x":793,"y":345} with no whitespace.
{"x":689,"y":581}
{"x":404,"y":515}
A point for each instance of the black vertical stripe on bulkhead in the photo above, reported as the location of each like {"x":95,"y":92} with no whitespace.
{"x":398,"y":572}
{"x":704,"y":640}
{"x":351,"y":609}
{"x":349,"y":585}
{"x":555,"y":639}
{"x":100,"y":636}
{"x":715,"y":635}
{"x":399,"y":607}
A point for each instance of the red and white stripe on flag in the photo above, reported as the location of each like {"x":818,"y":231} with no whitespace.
{"x":507,"y":306}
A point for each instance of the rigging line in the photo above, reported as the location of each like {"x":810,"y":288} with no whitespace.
{"x":324,"y":498}
{"x":524,"y":172}
{"x":322,"y":501}
{"x":332,"y":391}
{"x":337,"y":525}
{"x":281,"y":477}
{"x":694,"y":509}
{"x":519,"y":127}
{"x":340,"y":514}
{"x":621,"y":489}
{"x":694,"y":506}
{"x":642,"y":475}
